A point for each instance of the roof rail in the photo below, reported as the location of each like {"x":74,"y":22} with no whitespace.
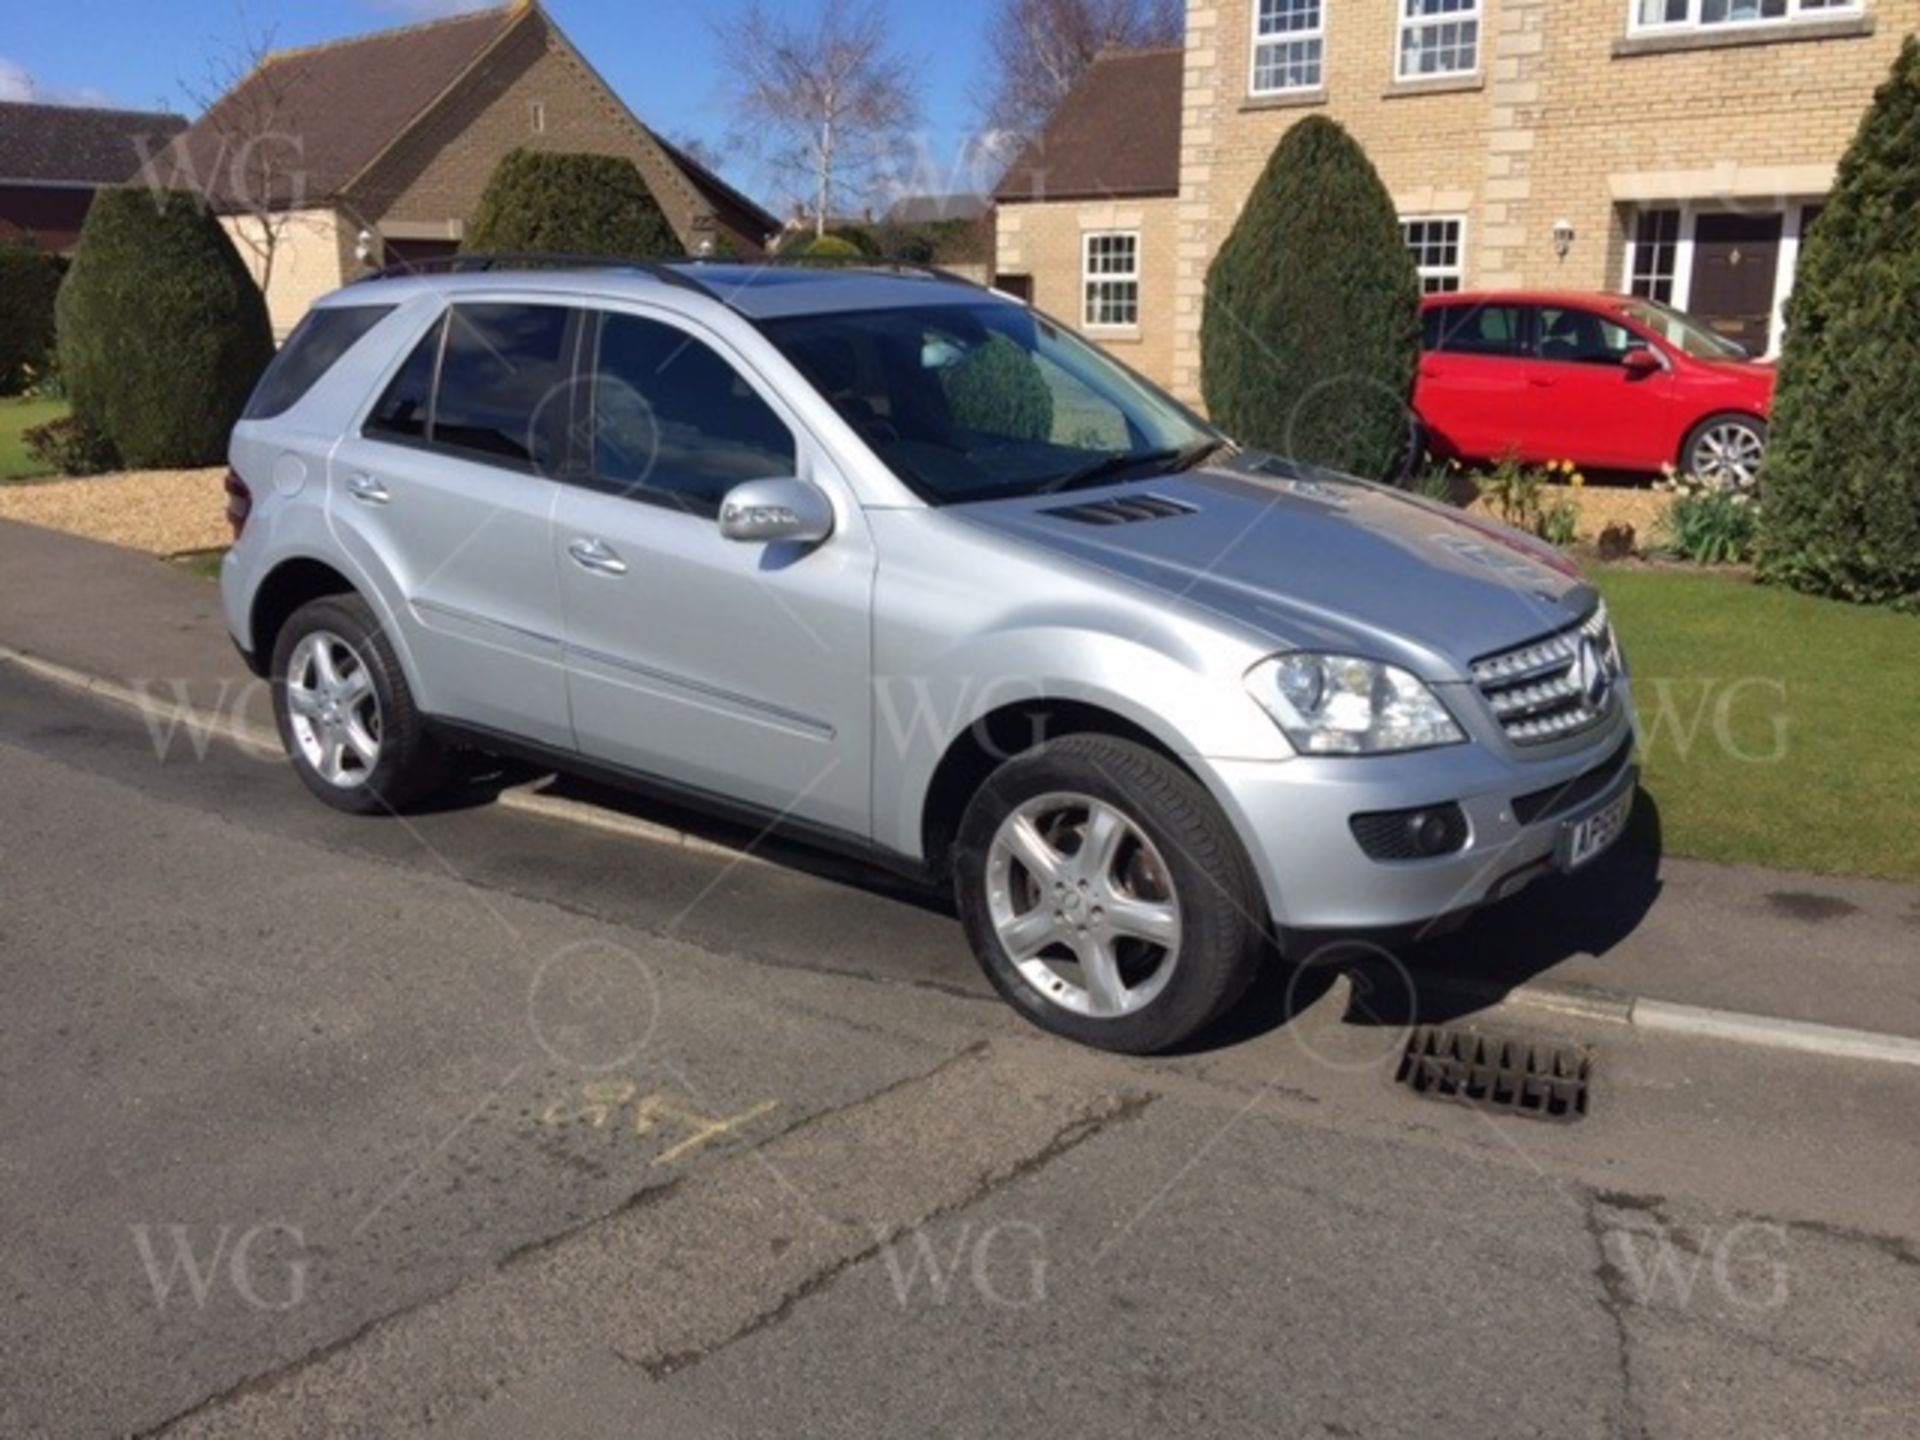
{"x":473,"y":263}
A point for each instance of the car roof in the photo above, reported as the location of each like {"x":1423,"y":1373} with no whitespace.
{"x":1598,"y":299}
{"x":759,"y":291}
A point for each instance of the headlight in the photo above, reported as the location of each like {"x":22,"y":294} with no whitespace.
{"x":1343,"y":705}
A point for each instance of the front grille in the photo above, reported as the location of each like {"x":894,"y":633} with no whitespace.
{"x":1123,"y":510}
{"x":1540,"y":692}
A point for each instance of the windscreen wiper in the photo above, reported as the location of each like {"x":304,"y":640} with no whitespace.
{"x":1106,"y":469}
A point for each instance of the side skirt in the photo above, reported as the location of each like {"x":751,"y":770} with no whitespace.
{"x":636,"y":782}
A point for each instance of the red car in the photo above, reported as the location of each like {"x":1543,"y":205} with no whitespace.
{"x":1609,"y":381}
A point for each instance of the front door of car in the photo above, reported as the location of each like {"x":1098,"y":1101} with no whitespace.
{"x":1473,"y":380}
{"x":741,"y":669}
{"x":444,"y":499}
{"x":1593,"y":407}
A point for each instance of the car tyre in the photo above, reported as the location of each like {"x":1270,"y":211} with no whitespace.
{"x":1726,"y":449}
{"x":1076,"y":864}
{"x":345,"y":712}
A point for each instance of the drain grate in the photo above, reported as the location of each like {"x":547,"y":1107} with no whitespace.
{"x":1521,"y":1077}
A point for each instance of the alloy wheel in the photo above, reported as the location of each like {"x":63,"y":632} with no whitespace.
{"x":1728,"y":455}
{"x":333,"y":709}
{"x":1084,"y":904}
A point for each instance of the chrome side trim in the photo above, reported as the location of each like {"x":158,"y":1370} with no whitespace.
{"x":454,"y":612}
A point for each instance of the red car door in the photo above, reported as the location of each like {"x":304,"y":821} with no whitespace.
{"x":1588,"y":401}
{"x":1473,"y":378}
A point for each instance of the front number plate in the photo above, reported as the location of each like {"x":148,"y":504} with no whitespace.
{"x":1587,"y":837}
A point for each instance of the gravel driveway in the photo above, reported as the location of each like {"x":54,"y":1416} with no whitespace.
{"x":164,"y":512}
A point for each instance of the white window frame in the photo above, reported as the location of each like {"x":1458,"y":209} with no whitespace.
{"x":1792,"y":231}
{"x":1286,"y":37}
{"x":1799,"y":12}
{"x":1089,"y":277}
{"x":1457,"y":271}
{"x":1474,"y":10}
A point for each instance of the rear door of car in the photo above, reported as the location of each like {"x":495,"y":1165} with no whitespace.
{"x":444,"y":496}
{"x":1472,"y":390}
{"x":1587,"y":405}
{"x":742,"y":669}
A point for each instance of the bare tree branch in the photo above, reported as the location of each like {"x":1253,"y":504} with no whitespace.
{"x":1039,"y":49}
{"x":830,"y":97}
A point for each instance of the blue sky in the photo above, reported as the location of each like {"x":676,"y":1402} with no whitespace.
{"x":659,"y":54}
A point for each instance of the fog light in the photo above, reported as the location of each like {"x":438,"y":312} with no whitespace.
{"x":1411,"y":834}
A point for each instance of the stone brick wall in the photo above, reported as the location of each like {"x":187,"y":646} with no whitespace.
{"x":1569,"y":119}
{"x":438,"y":170}
{"x":1045,"y":241}
{"x":309,"y":246}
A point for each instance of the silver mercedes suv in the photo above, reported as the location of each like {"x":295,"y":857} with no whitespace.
{"x":905,"y":568}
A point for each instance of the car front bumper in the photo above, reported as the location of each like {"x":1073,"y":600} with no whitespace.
{"x":1294,"y":817}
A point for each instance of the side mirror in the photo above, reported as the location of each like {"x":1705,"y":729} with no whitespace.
{"x":1640,"y":362}
{"x":762,"y":511}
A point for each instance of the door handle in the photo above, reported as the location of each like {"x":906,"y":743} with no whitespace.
{"x":367,"y":490}
{"x":596,"y":555}
{"x":1541,"y":382}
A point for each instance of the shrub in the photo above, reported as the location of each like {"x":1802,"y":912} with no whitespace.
{"x":1709,"y":524}
{"x":1311,"y":330}
{"x":999,"y":390}
{"x":71,"y":446}
{"x":1842,"y":474}
{"x":543,"y":201}
{"x":29,"y":281}
{"x":162,"y":331}
{"x":827,"y":247}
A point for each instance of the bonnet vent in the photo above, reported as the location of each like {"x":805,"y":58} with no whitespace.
{"x":1123,"y":510}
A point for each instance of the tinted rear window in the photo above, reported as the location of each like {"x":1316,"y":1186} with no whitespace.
{"x":505,"y":382}
{"x":316,"y":343}
{"x":407,"y":405}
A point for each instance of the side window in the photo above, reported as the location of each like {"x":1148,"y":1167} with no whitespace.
{"x":1581,"y":337}
{"x":506,"y":383}
{"x":403,"y":411}
{"x":1492,"y":330}
{"x":321,"y":338}
{"x":673,"y":419}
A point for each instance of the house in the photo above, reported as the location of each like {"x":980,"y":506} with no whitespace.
{"x":54,"y":157}
{"x":936,"y":209}
{"x":334,"y":159}
{"x":1675,"y":148}
{"x":1090,"y":209}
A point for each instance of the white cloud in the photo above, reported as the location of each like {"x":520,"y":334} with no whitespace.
{"x":16,"y":83}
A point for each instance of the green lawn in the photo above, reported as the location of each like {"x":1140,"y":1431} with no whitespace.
{"x":1779,"y":729}
{"x":16,"y":417}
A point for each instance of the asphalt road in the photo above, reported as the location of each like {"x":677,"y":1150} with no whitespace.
{"x":480,"y":1125}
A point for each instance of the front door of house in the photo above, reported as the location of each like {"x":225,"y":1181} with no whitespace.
{"x":1736,"y":259}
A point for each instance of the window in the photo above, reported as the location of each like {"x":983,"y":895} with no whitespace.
{"x":1656,"y":250}
{"x":976,"y":401}
{"x":316,"y":342}
{"x":1289,"y":43}
{"x":537,"y":117}
{"x":1709,"y":14}
{"x":1474,"y":330}
{"x":505,"y":385}
{"x":1580,"y":337}
{"x":1112,"y":275}
{"x":674,"y":421}
{"x":1438,"y":38}
{"x":404,"y":410}
{"x":1437,"y":245}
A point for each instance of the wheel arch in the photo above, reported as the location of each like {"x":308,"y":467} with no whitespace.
{"x":293,"y":582}
{"x":999,"y":735}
